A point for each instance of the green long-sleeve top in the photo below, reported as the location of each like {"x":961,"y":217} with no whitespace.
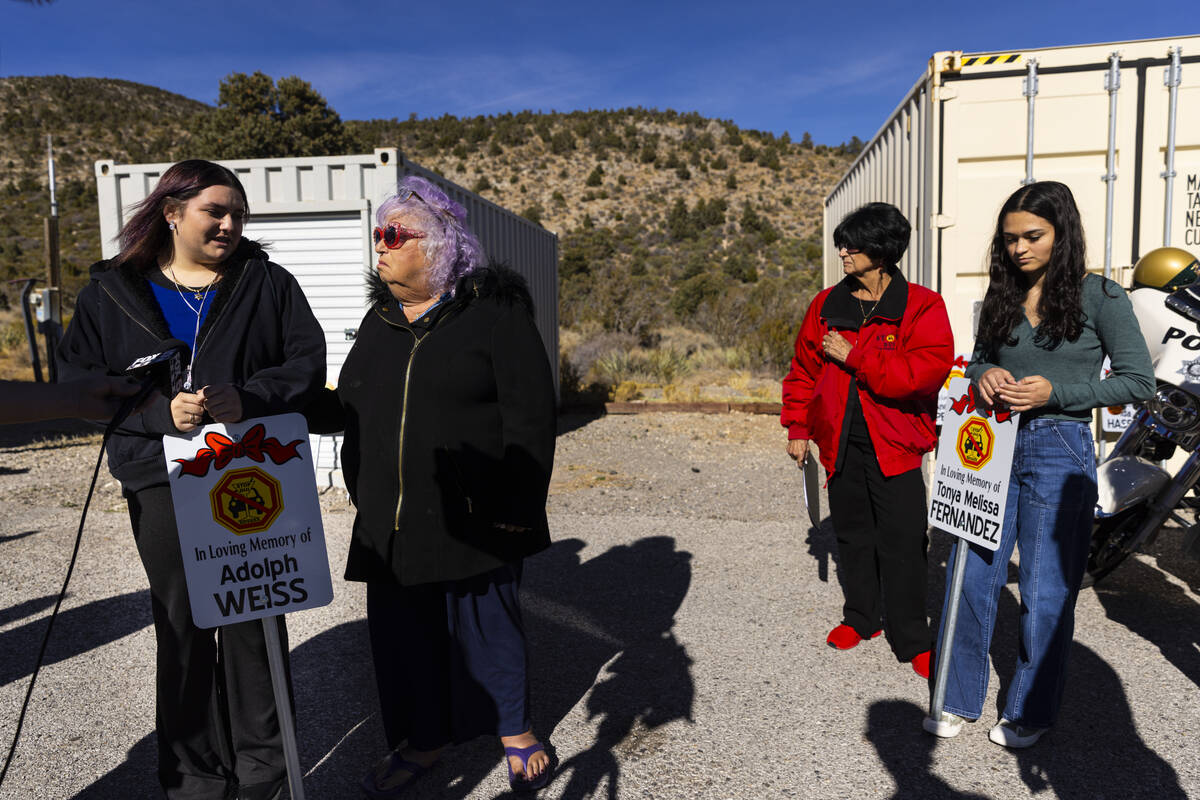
{"x":1073,"y":368}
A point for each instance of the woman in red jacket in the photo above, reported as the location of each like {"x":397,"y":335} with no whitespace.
{"x":870,"y":357}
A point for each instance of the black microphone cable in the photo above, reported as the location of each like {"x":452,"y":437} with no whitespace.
{"x":122,"y":413}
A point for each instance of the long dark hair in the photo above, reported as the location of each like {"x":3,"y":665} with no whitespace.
{"x":146,"y":235}
{"x":1061,"y":305}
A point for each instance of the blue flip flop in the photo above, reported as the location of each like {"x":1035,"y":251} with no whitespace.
{"x":371,"y":788}
{"x":519,"y":783}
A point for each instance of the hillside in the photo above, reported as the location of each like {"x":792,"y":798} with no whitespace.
{"x":667,"y":220}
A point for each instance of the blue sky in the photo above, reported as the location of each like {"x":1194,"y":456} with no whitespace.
{"x":835,"y":69}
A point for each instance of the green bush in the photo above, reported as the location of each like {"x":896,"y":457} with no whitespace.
{"x":533,"y":213}
{"x":694,"y":291}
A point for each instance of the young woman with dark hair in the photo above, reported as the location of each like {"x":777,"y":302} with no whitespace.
{"x":185,"y":272}
{"x":1044,"y":330}
{"x":871,"y":354}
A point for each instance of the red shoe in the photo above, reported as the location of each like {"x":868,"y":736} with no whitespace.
{"x":843,"y":637}
{"x":920,"y":664}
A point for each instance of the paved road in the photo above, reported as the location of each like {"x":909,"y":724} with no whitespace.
{"x":678,"y":628}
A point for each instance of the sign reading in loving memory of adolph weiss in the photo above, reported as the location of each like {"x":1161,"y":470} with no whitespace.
{"x":249,"y":520}
{"x":970,"y":477}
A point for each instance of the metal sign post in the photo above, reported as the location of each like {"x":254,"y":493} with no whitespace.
{"x":250,"y":533}
{"x":968,"y":494}
{"x":946,"y":645}
{"x":283,"y":707}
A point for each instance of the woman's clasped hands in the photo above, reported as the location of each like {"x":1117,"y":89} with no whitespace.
{"x":221,"y":401}
{"x":998,"y":386}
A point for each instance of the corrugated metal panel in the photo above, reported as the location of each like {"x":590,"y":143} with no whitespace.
{"x":325,"y":253}
{"x":885,"y":172}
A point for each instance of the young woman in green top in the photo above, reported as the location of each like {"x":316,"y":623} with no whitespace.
{"x":1044,"y":330}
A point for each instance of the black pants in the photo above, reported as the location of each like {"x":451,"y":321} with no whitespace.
{"x":881,"y":534}
{"x":450,"y":658}
{"x":216,"y":720}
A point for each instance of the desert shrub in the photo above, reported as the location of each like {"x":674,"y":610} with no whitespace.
{"x":626,"y":391}
{"x":584,"y":355}
{"x":694,"y":291}
{"x":667,"y":364}
{"x":616,"y":367}
{"x":532,"y":213}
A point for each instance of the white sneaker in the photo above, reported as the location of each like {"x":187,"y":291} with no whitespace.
{"x":946,"y":726}
{"x":1010,"y":734}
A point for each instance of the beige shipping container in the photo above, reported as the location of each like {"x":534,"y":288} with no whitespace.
{"x":1118,"y":123}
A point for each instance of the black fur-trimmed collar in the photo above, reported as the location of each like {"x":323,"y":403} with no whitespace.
{"x":495,"y":281}
{"x":132,"y":282}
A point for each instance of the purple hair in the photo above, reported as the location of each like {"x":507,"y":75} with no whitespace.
{"x":449,"y":246}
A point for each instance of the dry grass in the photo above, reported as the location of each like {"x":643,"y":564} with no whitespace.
{"x":15,"y":363}
{"x":684,"y":366}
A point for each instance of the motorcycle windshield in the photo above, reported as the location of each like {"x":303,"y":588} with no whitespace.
{"x":1172,"y":334}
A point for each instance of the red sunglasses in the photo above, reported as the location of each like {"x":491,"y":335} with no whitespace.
{"x":395,"y":236}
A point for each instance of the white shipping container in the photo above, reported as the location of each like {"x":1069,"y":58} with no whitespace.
{"x":974,"y":127}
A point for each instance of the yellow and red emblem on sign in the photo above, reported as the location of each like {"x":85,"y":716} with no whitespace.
{"x":975,"y":443}
{"x":246,"y":501}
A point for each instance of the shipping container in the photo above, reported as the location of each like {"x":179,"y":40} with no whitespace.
{"x":315,"y":216}
{"x":1118,"y":123}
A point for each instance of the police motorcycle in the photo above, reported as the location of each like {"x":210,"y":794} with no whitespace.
{"x":1137,"y":493}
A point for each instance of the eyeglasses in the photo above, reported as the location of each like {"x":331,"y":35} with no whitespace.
{"x":850,"y":251}
{"x":395,"y":236}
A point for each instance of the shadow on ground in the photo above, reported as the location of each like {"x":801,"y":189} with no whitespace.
{"x":1094,"y":749}
{"x":76,"y":631}
{"x":1169,"y":623}
{"x":604,"y":623}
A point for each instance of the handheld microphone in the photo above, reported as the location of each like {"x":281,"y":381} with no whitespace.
{"x":162,"y":370}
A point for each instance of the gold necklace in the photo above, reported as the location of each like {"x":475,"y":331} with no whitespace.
{"x":198,"y":292}
{"x":866,"y":313}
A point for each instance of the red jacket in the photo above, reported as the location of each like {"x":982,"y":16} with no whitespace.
{"x":901,"y":357}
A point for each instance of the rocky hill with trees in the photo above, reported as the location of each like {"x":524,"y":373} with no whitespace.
{"x":678,"y":234}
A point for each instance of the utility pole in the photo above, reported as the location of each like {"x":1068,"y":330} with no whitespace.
{"x":50,"y":307}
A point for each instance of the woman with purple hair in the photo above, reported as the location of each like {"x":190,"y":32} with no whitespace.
{"x":447,"y":404}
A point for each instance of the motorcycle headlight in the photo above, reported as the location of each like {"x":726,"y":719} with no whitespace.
{"x":1175,"y":409}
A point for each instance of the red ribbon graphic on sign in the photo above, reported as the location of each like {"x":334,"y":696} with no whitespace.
{"x":969,"y":402}
{"x":221,"y":450}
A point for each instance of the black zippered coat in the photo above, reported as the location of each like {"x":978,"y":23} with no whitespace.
{"x":449,"y":432}
{"x":259,"y":335}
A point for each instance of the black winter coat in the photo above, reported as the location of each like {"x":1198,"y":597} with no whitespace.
{"x":449,"y":432}
{"x":259,"y":335}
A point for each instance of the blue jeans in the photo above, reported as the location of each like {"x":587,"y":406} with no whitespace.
{"x":1048,"y":516}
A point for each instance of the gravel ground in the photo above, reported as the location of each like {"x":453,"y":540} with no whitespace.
{"x":677,"y":629}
